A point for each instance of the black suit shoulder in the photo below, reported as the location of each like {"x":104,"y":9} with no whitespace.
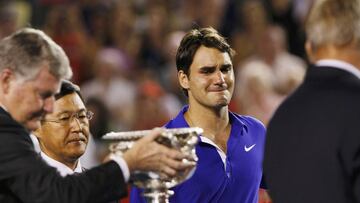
{"x":24,"y":177}
{"x":312,"y":145}
{"x":324,"y":90}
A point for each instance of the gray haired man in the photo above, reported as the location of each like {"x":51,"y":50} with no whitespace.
{"x":31,"y":69}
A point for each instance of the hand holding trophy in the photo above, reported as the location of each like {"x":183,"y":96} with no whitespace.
{"x":156,"y":183}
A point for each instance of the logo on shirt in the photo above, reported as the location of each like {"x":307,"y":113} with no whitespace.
{"x":247,"y":149}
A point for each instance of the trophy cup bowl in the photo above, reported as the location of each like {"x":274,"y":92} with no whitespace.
{"x":157,"y":188}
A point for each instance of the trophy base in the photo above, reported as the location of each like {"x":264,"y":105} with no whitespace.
{"x":160,"y":195}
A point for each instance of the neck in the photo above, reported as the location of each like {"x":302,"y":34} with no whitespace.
{"x":349,"y":54}
{"x":71,"y":163}
{"x":214,"y":121}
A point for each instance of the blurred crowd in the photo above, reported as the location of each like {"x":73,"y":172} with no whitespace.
{"x":123,"y":52}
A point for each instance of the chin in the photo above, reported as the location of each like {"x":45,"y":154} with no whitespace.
{"x":76,"y":154}
{"x":81,"y":150}
{"x":219,"y":105}
{"x":222,"y":102}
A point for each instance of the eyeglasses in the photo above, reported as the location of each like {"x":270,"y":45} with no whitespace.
{"x":82,"y":116}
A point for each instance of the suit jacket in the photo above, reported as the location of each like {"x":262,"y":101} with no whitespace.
{"x":25,"y":177}
{"x":313,"y":143}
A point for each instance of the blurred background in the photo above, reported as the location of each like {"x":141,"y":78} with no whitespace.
{"x":123,"y":53}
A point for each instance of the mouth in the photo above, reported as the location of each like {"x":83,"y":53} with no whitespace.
{"x":218,"y":90}
{"x":77,"y":139}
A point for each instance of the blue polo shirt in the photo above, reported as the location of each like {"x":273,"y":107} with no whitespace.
{"x":235,"y":178}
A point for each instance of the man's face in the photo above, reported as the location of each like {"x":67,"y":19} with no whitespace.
{"x":62,"y":136}
{"x":211,"y":78}
{"x":28,"y":100}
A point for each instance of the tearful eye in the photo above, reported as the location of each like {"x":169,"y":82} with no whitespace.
{"x":226,"y":69}
{"x":207,"y":70}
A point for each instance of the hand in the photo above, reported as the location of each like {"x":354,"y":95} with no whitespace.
{"x":148,"y":155}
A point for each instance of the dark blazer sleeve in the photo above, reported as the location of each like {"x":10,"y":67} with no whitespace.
{"x":350,"y":154}
{"x":24,"y":177}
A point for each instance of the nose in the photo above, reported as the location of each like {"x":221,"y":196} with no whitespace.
{"x":75,"y":123}
{"x":220,"y":77}
{"x":49,"y":104}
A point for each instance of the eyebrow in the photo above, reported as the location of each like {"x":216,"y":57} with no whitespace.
{"x":227,"y":65}
{"x":207,"y":67}
{"x":66,"y":111}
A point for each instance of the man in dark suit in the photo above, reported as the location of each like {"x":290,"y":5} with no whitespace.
{"x":31,"y":69}
{"x":313,"y":142}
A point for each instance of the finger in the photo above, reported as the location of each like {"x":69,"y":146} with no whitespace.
{"x":171,"y":153}
{"x":168,"y":172}
{"x":189,"y":162}
{"x":156,"y":132}
{"x":176,"y":154}
{"x":176,"y":164}
{"x":163,"y":176}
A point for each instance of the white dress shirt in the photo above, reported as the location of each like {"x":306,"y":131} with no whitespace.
{"x":61,"y":168}
{"x":65,"y":170}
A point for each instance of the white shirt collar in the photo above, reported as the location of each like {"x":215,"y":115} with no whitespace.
{"x":62,"y":168}
{"x":340,"y":65}
{"x":2,"y":106}
{"x":35,"y":142}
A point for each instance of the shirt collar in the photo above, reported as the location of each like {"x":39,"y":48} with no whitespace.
{"x":236,"y":123}
{"x":61,"y":168}
{"x":237,"y":127}
{"x":340,"y":65}
{"x":3,"y":107}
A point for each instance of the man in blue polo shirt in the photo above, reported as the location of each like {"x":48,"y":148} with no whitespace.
{"x":230,"y":150}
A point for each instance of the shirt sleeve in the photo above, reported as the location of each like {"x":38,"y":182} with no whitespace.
{"x":123,"y":165}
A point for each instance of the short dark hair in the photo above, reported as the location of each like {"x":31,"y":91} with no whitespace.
{"x":66,"y":88}
{"x":207,"y":37}
{"x":191,"y":42}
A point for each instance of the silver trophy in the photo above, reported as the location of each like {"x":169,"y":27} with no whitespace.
{"x":157,"y":188}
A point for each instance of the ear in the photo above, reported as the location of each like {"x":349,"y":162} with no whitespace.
{"x":5,"y":78}
{"x":309,"y":47}
{"x":183,"y":79}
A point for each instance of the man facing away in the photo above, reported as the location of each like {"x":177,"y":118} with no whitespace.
{"x":313,"y":142}
{"x":63,"y":134}
{"x":31,"y":68}
{"x":230,"y":150}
